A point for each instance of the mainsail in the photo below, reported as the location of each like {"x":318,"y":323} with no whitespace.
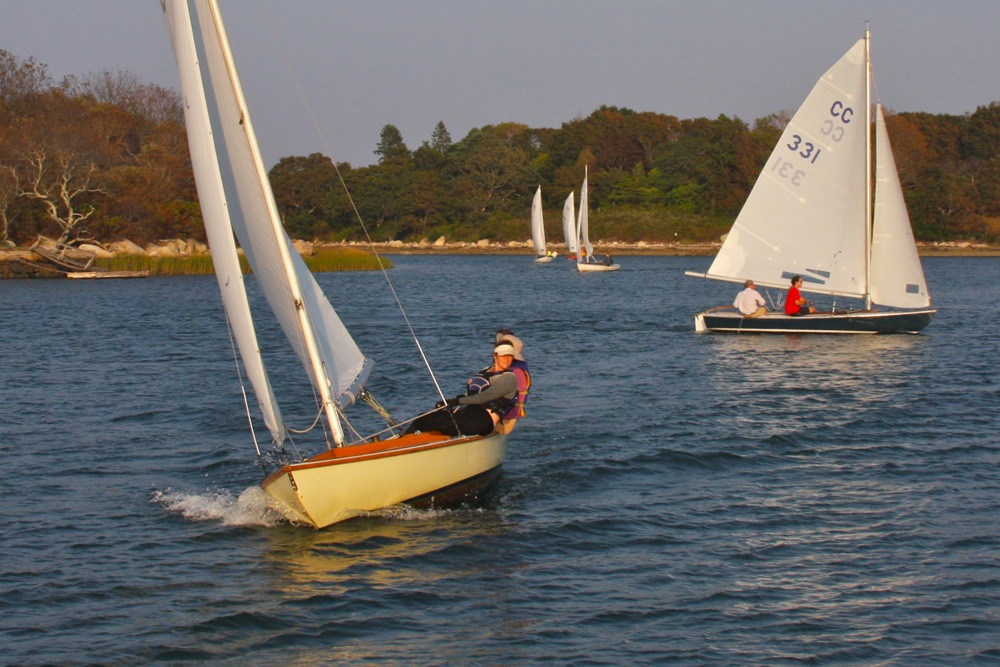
{"x":569,"y":225}
{"x":217,"y":118}
{"x":537,"y":224}
{"x":806,"y":212}
{"x":583,"y":223}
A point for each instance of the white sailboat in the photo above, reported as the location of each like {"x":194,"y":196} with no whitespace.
{"x":569,"y":227}
{"x":810,"y":214}
{"x":542,"y":255}
{"x":585,"y":261}
{"x":236,"y":199}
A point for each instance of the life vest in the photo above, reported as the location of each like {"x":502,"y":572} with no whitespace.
{"x":520,"y":370}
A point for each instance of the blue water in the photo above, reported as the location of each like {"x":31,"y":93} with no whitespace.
{"x":671,"y":498}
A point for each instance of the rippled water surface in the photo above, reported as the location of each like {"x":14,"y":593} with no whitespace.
{"x":672,"y":498}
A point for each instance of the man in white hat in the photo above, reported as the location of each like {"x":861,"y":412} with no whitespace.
{"x":488,"y":398}
{"x":520,"y":370}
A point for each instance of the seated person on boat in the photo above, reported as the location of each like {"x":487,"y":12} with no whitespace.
{"x":490,"y":396}
{"x":794,"y":303}
{"x":749,"y":301}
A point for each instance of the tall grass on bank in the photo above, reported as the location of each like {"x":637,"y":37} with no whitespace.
{"x":325,"y":259}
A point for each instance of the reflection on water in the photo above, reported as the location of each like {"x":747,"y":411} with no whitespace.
{"x":392,"y":547}
{"x":784,"y":383}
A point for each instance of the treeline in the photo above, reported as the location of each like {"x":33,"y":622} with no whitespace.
{"x":105,"y":157}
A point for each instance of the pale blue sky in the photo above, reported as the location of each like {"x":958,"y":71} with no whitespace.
{"x":365,"y":63}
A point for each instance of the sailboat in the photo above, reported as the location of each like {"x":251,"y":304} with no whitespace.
{"x":350,"y":477}
{"x":585,"y":261}
{"x":810,"y":214}
{"x":542,"y":255}
{"x":569,"y":228}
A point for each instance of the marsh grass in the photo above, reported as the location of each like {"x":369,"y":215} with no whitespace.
{"x":325,"y":259}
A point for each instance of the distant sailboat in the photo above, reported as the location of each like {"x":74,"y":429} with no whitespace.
{"x":542,"y":255}
{"x":351,"y":477}
{"x":810,"y":214}
{"x":569,"y":228}
{"x":585,"y":261}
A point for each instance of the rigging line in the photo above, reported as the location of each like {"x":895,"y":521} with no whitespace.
{"x":243,"y":389}
{"x":350,"y":198}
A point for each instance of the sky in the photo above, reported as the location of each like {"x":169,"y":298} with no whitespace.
{"x":327,"y":75}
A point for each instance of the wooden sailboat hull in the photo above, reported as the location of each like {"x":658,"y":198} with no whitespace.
{"x":422,"y":469}
{"x":851,"y":322}
{"x":584,"y":267}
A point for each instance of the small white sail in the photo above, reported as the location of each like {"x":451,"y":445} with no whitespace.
{"x":569,"y":226}
{"x":896,"y":274}
{"x":538,"y":224}
{"x":583,"y":224}
{"x":805,"y":214}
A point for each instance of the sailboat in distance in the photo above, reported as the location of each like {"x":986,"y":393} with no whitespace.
{"x":354,"y":474}
{"x":812,"y":214}
{"x":585,"y":261}
{"x":569,"y":228}
{"x":542,"y":255}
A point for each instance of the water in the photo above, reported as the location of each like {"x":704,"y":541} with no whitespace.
{"x":672,"y":498}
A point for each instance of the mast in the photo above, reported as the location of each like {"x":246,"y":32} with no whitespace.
{"x":868,"y":170}
{"x":305,"y":324}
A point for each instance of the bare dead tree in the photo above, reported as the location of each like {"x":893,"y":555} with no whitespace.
{"x":58,"y":188}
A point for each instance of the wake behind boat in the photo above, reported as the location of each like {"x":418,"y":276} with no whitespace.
{"x":810,"y":213}
{"x":351,"y":477}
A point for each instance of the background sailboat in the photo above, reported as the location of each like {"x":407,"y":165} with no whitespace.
{"x":569,"y":227}
{"x":354,"y":475}
{"x":585,"y":261}
{"x":542,"y":255}
{"x":810,"y":214}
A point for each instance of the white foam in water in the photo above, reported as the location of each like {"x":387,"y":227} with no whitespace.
{"x":251,"y":508}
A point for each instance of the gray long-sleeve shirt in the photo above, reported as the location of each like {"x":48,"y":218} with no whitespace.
{"x":503,"y":385}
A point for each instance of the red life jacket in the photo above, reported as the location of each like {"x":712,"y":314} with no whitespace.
{"x":520,"y":370}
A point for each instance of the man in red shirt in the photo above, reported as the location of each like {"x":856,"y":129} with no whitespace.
{"x":794,"y":303}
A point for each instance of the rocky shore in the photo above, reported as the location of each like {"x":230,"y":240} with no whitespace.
{"x":486,"y":247}
{"x":25,"y":263}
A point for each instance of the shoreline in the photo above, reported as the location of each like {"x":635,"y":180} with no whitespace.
{"x":13,"y":264}
{"x":627,"y":249}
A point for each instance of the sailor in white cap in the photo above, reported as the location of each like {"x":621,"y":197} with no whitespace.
{"x":489,"y":396}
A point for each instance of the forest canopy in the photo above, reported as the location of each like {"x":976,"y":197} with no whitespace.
{"x":105,"y":157}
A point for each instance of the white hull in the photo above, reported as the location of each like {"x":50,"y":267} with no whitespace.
{"x":583,"y":267}
{"x":544,"y":259}
{"x":349,"y":481}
